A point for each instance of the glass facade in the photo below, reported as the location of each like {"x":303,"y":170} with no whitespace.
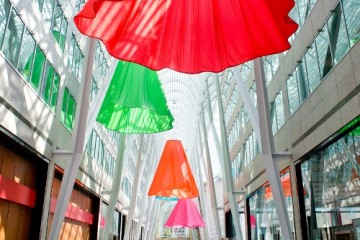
{"x":338,"y":34}
{"x":55,"y":20}
{"x":271,"y":64}
{"x":75,"y":58}
{"x":263,"y":218}
{"x":331,"y":188}
{"x":25,"y":55}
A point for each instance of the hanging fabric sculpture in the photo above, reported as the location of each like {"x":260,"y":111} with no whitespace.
{"x":173,"y":176}
{"x":185,"y":214}
{"x":189,"y":36}
{"x":135,"y":102}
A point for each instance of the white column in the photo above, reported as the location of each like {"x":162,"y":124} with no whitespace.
{"x":267,"y":146}
{"x":156,"y":213}
{"x":145,"y":197}
{"x":134,"y":191}
{"x":95,"y":108}
{"x":78,"y":141}
{"x":210,"y":177}
{"x":47,"y":199}
{"x":150,"y":218}
{"x":248,"y":103}
{"x":227,"y":167}
{"x":202,"y":194}
{"x":114,"y":194}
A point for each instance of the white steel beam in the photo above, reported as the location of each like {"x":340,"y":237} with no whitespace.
{"x":202,"y":194}
{"x":248,"y":102}
{"x":267,"y":147}
{"x":95,"y":108}
{"x":150,"y":218}
{"x":210,"y":177}
{"x":152,"y":228}
{"x":114,"y":193}
{"x":134,"y":191}
{"x":145,"y":197}
{"x":78,"y":141}
{"x":47,"y":200}
{"x":227,"y":167}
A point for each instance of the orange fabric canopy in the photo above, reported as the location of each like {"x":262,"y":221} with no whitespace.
{"x":173,"y":176}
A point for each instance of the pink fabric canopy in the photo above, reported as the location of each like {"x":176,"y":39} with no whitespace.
{"x":185,"y":214}
{"x":188,"y":36}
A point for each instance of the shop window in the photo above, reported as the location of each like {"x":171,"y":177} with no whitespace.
{"x":331,"y":183}
{"x":263,"y":218}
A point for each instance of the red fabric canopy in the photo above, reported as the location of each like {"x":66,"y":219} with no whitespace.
{"x":188,"y":36}
{"x":185,"y":214}
{"x":173,"y":176}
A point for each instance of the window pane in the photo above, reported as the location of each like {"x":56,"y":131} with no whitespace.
{"x":78,"y":5}
{"x":64,"y":105}
{"x":48,"y":80}
{"x":312,"y":68}
{"x":279,"y":110}
{"x":59,"y":28}
{"x":303,"y":83}
{"x":26,"y":57}
{"x":338,"y":36}
{"x":64,"y":27}
{"x":71,"y":113}
{"x":293,"y":94}
{"x":55,"y":91}
{"x":352,"y":14}
{"x":4,"y":14}
{"x":12,"y":38}
{"x":47,"y":11}
{"x":38,"y":67}
{"x":39,"y":3}
{"x":323,"y":52}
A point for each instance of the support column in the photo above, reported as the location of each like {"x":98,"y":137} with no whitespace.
{"x":156,"y":213}
{"x":248,"y":103}
{"x":114,"y":194}
{"x":267,"y":147}
{"x":150,"y":218}
{"x":202,"y":196}
{"x":78,"y":141}
{"x":94,"y":111}
{"x":210,"y":177}
{"x":138,"y":173}
{"x":47,"y":199}
{"x":145,"y":197}
{"x":227,"y":167}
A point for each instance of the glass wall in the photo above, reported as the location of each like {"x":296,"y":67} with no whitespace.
{"x":263,"y":217}
{"x":331,"y":188}
{"x":54,"y":19}
{"x":300,"y":12}
{"x":24,"y":54}
{"x":337,"y":36}
{"x":271,"y":64}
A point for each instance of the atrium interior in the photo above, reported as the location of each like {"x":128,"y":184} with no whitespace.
{"x":272,"y":141}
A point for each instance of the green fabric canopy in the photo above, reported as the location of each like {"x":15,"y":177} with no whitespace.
{"x":135,"y":102}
